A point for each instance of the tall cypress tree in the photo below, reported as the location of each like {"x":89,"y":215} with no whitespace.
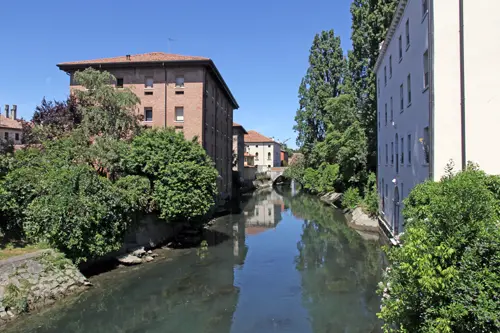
{"x":370,"y":22}
{"x":323,"y":80}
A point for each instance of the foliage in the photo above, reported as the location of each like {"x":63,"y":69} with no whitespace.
{"x":183,"y":178}
{"x":296,"y":168}
{"x":185,"y":190}
{"x":446,"y":275}
{"x":78,"y":212}
{"x":351,"y":198}
{"x":370,"y":201}
{"x":322,"y":81}
{"x":51,"y":120}
{"x":370,"y":23}
{"x":106,"y":111}
{"x":311,"y":179}
{"x":15,"y":298}
{"x":136,"y":191}
{"x":263,"y":176}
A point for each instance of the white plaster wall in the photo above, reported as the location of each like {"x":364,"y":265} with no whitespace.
{"x":414,"y":117}
{"x":263,"y":148}
{"x":482,"y":71}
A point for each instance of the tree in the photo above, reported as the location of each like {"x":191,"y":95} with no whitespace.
{"x":370,"y":22}
{"x":445,"y":276}
{"x":106,"y":111}
{"x":51,"y":120}
{"x":181,"y":173}
{"x":323,"y":80}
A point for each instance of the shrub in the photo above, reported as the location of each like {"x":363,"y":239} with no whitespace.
{"x":329,"y":175}
{"x":78,"y":212}
{"x":370,"y":201}
{"x":296,"y":168}
{"x":136,"y":190}
{"x":351,"y":198}
{"x":445,"y":276}
{"x":186,"y":190}
{"x":311,"y":179}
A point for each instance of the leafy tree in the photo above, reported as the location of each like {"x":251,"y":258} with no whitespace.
{"x":370,"y":200}
{"x":106,"y":111}
{"x":311,"y":180}
{"x":78,"y":212}
{"x":323,"y":80}
{"x":351,"y":198}
{"x":446,"y":275}
{"x":181,"y":173}
{"x":370,"y":22}
{"x":296,"y":168}
{"x":51,"y":120}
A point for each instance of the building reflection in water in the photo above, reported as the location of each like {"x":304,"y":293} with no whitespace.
{"x":263,"y":212}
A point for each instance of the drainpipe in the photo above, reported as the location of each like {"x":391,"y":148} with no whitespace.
{"x":431,"y":87}
{"x":462,"y":82}
{"x":165,"y":68}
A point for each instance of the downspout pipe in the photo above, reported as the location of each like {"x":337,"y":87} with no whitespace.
{"x":462,"y":83}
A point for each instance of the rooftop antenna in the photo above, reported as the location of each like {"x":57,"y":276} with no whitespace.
{"x":170,"y":40}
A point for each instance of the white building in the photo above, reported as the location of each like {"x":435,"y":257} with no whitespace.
{"x":427,"y":66}
{"x":266,"y":151}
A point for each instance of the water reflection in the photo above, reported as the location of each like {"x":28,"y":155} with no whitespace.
{"x":285,"y":264}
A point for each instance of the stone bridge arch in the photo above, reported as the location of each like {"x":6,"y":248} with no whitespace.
{"x":276,"y":173}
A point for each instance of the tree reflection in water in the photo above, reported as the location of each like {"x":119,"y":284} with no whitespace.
{"x":339,"y":270}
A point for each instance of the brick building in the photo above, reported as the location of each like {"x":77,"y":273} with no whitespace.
{"x":184,"y":92}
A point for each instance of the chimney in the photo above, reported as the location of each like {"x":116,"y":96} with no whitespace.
{"x":13,"y":112}
{"x":6,"y":110}
{"x":128,"y":56}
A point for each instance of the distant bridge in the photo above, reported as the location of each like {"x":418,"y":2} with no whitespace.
{"x":276,"y":173}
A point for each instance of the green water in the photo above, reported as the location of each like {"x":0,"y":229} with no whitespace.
{"x":285,"y":264}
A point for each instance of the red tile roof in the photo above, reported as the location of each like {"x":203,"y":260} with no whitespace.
{"x":10,"y":123}
{"x":146,"y":57}
{"x":254,"y":136}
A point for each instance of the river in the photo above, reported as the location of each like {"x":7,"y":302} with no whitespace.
{"x":284,"y":264}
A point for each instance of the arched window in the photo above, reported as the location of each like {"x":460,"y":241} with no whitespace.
{"x":268,"y":156}
{"x":256,"y":156}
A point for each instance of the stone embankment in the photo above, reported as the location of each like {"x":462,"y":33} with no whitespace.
{"x":35,"y":280}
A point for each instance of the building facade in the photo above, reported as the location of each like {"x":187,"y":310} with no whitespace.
{"x":11,"y":129}
{"x":437,"y":96}
{"x":184,"y":92}
{"x":239,"y":147}
{"x":266,"y":152}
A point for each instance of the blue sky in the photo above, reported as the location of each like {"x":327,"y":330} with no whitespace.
{"x":260,"y":47}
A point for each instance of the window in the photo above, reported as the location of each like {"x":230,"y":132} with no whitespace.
{"x":386,"y":154}
{"x":426,"y":69}
{"x":268,"y":146}
{"x":379,"y":120}
{"x":425,"y":7}
{"x":392,"y":153}
{"x":385,"y":114}
{"x":268,"y":156}
{"x":400,"y":48}
{"x":148,"y":82}
{"x":179,"y":82}
{"x":385,"y":75}
{"x":378,"y":87}
{"x":148,"y":93}
{"x":402,"y":150}
{"x":407,"y":29}
{"x":6,"y":135}
{"x":383,"y":196}
{"x":426,"y":145}
{"x":256,"y":146}
{"x":119,"y":82}
{"x":179,"y":114}
{"x":17,"y":136}
{"x":148,"y":114}
{"x":390,"y":66}
{"x":409,"y":143}
{"x":402,"y":97}
{"x":256,"y":156}
{"x":269,"y":211}
{"x":408,"y":87}
{"x":179,"y":92}
{"x":392,"y":110}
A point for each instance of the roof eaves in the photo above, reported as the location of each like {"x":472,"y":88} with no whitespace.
{"x":396,"y":19}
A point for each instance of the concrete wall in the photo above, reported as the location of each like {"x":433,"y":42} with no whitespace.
{"x":34,"y":280}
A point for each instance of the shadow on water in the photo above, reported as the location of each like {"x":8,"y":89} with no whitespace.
{"x":284,"y":264}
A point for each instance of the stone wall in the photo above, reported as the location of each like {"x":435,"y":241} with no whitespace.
{"x":34,"y":280}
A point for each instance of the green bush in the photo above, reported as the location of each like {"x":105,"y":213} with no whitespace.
{"x":182,"y":174}
{"x":311,"y":180}
{"x":78,"y":212}
{"x":136,"y":190}
{"x":186,"y":191}
{"x":351,"y":198}
{"x":446,"y":275}
{"x":370,"y":201}
{"x":329,"y":175}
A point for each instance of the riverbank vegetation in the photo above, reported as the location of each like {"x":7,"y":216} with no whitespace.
{"x":336,"y":122}
{"x":89,"y":172}
{"x":446,"y":275}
